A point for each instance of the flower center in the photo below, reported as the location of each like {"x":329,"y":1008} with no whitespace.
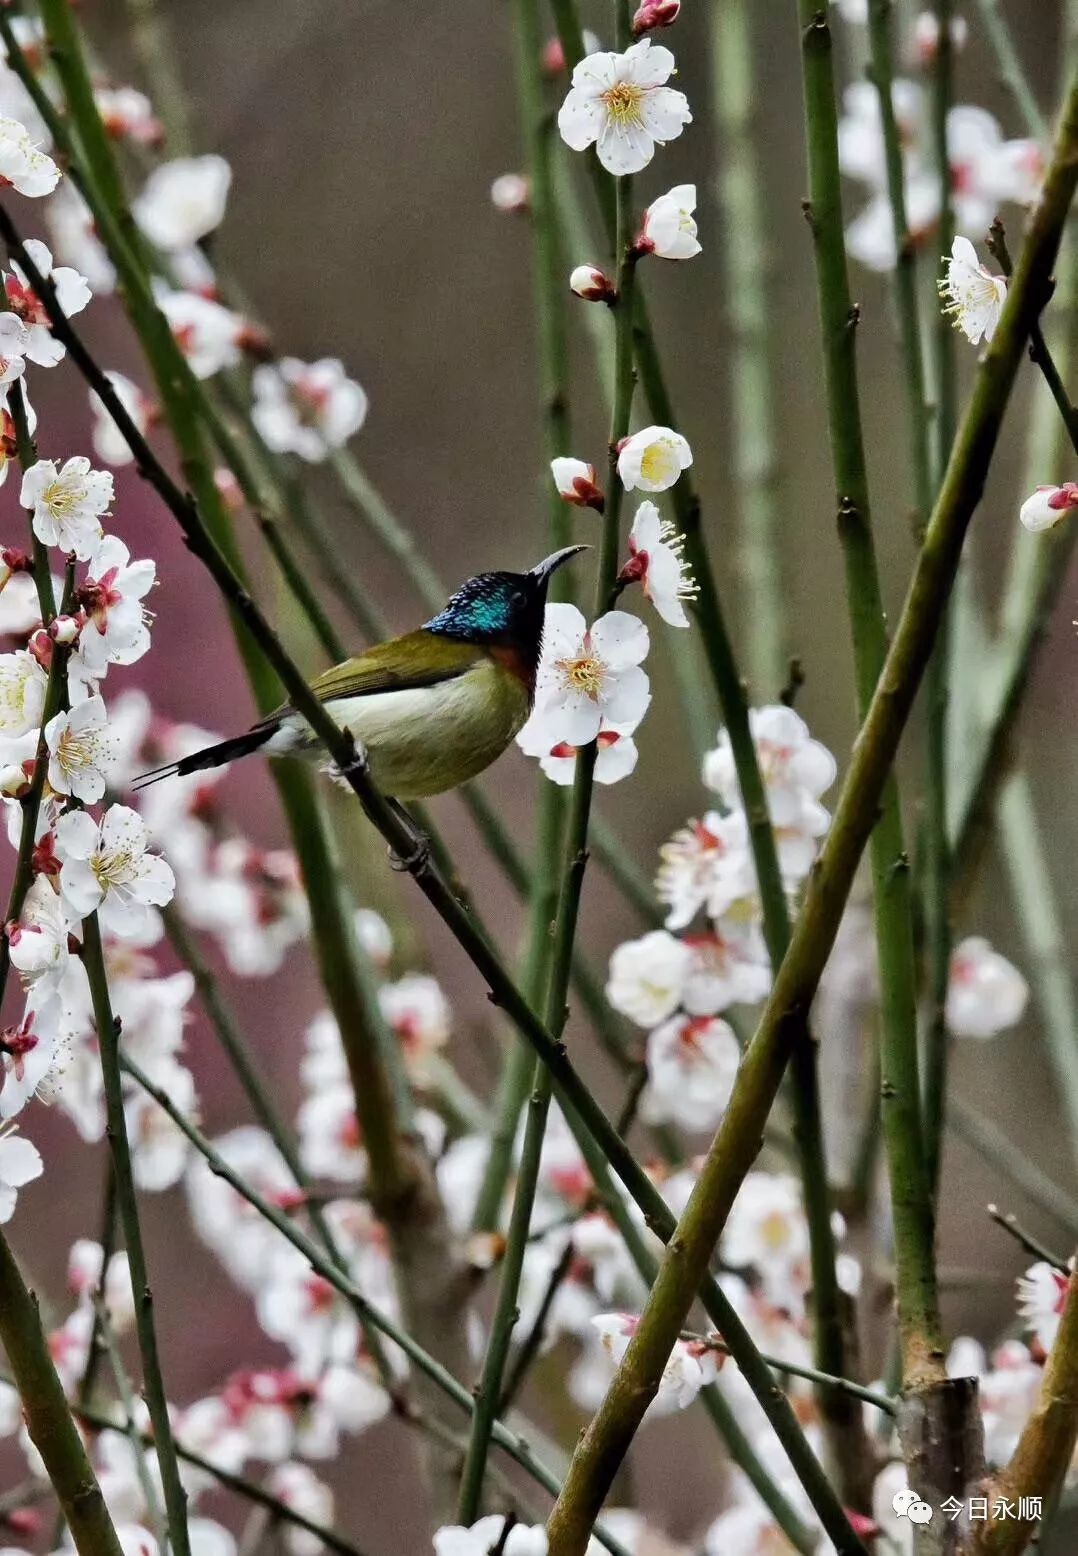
{"x":585,"y":674}
{"x":655,"y":464}
{"x":622,"y":103}
{"x":62,"y":498}
{"x":113,"y":869}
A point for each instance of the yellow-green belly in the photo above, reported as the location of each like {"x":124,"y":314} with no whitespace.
{"x":429,"y":739}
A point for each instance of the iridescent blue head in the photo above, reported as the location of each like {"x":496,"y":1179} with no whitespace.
{"x":502,"y":610}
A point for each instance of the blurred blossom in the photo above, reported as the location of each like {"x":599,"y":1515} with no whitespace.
{"x":986,"y":994}
{"x":72,"y":293}
{"x":692,"y":1065}
{"x":183,"y":201}
{"x":1042,"y":1296}
{"x":305,"y":408}
{"x":109,"y":442}
{"x":647,"y":977}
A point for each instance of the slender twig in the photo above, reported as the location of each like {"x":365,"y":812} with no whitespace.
{"x":988,"y":1141}
{"x":1026,"y":1240}
{"x":108,"y":1037}
{"x":734,"y":1147}
{"x":856,"y":1390}
{"x":48,"y":1416}
{"x":130,"y":1426}
{"x":935,"y":879}
{"x":918,"y":1304}
{"x":1044,"y":1450}
{"x":1011,"y":71}
{"x":752,"y":415}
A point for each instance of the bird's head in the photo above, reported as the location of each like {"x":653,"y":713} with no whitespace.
{"x":503,"y":610}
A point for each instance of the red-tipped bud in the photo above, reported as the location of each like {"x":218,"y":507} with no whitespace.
{"x":65,"y":630}
{"x":25,"y":1521}
{"x":254,"y":340}
{"x":553,"y":59}
{"x":41,"y":645}
{"x":576,"y":483}
{"x":654,"y":14}
{"x":926,"y":37}
{"x":590,"y":283}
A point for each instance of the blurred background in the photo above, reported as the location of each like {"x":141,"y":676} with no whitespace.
{"x":364,"y":138}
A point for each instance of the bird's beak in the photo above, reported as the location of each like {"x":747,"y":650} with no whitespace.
{"x":542,"y":571}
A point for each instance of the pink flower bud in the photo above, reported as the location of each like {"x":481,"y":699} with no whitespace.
{"x":577,"y":483}
{"x":590,"y":283}
{"x":40,"y":645}
{"x":1045,"y":507}
{"x":655,"y":13}
{"x":553,"y":59}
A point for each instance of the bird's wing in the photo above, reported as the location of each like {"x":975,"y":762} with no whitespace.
{"x":418,"y":658}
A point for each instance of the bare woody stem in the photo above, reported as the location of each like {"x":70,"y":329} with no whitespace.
{"x":737,"y":1141}
{"x":108,"y":1037}
{"x":918,"y":1303}
{"x":1045,"y":1447}
{"x":48,"y":1416}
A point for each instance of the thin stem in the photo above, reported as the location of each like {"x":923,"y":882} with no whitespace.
{"x":918,"y":1302}
{"x":48,"y":1416}
{"x":984,"y":1137}
{"x":1011,"y":70}
{"x":752,"y":413}
{"x":108,"y":1037}
{"x":127,"y":1404}
{"x":1025,"y":1239}
{"x":736,"y":1142}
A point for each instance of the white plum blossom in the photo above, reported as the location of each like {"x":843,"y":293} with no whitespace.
{"x":590,"y":674}
{"x":107,"y":867}
{"x":510,"y":193}
{"x":330,"y":1139}
{"x":795,"y":770}
{"x":306,"y":408}
{"x":985,"y":993}
{"x":692,"y":1065}
{"x":67,"y":503}
{"x":705,"y":865}
{"x":653,"y":459}
{"x":690,"y":1367}
{"x":22,"y":165}
{"x":109,"y":442}
{"x":669,"y":230}
{"x":82,"y":751}
{"x":20,"y":1164}
{"x":730,"y":965}
{"x":973,"y":297}
{"x":487,"y":1535}
{"x":616,"y":754}
{"x":22,"y":694}
{"x":183,"y":201}
{"x":622,"y":105}
{"x":576,"y":482}
{"x":115,"y":626}
{"x":72,"y":294}
{"x":71,"y":225}
{"x":766,"y":1229}
{"x":39,"y":942}
{"x":647,"y":977}
{"x":418,"y":1014}
{"x":14,"y":344}
{"x":656,"y":562}
{"x":1042,"y":1296}
{"x":1047,"y":505}
{"x":926,"y":36}
{"x":298,"y":1487}
{"x":127,"y":114}
{"x":31,"y":1059}
{"x":209,"y":335}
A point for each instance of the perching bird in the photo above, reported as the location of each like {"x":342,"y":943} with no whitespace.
{"x":430,"y":709}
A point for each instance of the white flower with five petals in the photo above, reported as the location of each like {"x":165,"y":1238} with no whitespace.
{"x":973,"y":297}
{"x":669,"y":230}
{"x":108,"y":867}
{"x":692,"y":1066}
{"x":306,"y":408}
{"x":647,"y":977}
{"x":622,"y":104}
{"x":705,"y":865}
{"x":652,"y":459}
{"x":67,"y":503}
{"x":82,"y":751}
{"x":116,"y":626}
{"x":22,"y":165}
{"x":591,"y":674}
{"x":183,"y":201}
{"x":39,"y":943}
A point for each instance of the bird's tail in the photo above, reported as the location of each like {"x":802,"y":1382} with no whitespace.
{"x":211,"y":756}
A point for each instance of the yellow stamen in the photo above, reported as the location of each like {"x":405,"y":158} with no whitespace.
{"x":622,"y":103}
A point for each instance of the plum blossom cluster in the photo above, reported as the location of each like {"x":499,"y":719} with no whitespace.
{"x":988,"y":171}
{"x":678,"y":982}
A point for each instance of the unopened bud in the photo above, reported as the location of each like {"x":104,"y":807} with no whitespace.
{"x":576,"y":483}
{"x":13,"y":782}
{"x":590,"y":283}
{"x":483,"y":1250}
{"x":654,"y":14}
{"x":510,"y":193}
{"x":41,"y":645}
{"x":1048,"y":505}
{"x":553,"y":59}
{"x":12,"y":561}
{"x":926,"y":36}
{"x":254,"y":340}
{"x":64,"y":630}
{"x":24,"y":1520}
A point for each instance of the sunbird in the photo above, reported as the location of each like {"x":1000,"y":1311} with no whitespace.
{"x":431,"y":708}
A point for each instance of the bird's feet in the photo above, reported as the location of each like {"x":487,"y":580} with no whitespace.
{"x":416,"y":858}
{"x":358,"y":767}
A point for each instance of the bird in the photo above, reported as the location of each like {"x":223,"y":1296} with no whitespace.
{"x":429,"y":709}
